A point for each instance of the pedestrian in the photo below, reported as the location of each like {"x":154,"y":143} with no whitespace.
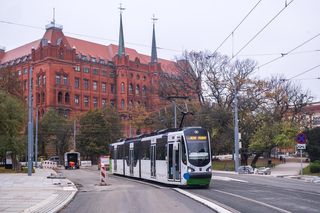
{"x":280,"y":159}
{"x":284,"y":160}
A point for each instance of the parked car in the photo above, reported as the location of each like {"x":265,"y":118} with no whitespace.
{"x":55,"y":159}
{"x":264,"y":171}
{"x":245,"y":170}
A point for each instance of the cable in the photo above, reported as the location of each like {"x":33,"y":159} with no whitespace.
{"x":260,"y":31}
{"x":308,"y":70}
{"x":287,"y":53}
{"x":270,"y":54}
{"x":89,"y":36}
{"x":236,"y":27}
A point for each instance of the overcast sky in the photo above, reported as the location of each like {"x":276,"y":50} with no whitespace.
{"x":183,"y":25}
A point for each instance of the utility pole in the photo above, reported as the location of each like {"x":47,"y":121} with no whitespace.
{"x":30,"y":125}
{"x":172,"y":99}
{"x":36,"y":146}
{"x":236,"y":129}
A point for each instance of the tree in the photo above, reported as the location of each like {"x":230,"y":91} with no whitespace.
{"x":56,"y":130}
{"x":313,"y":145}
{"x":270,"y":135}
{"x":139,"y":118}
{"x":12,"y":120}
{"x":10,"y":83}
{"x":98,"y":129}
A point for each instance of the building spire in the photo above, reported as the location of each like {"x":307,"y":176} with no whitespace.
{"x":53,"y":16}
{"x":154,"y":57}
{"x":121,"y":48}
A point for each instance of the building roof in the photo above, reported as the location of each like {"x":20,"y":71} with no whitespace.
{"x":87,"y":48}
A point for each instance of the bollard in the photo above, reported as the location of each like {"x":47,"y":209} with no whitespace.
{"x":103,"y":175}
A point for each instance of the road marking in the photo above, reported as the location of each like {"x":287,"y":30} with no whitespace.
{"x":211,"y":205}
{"x":254,"y":201}
{"x":227,"y":179}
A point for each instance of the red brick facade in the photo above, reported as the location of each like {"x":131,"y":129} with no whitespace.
{"x":73,"y":75}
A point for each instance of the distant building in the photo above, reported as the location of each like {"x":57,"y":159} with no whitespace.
{"x":311,"y":114}
{"x":73,"y":75}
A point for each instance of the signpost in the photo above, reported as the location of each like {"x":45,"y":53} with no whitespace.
{"x":301,"y":144}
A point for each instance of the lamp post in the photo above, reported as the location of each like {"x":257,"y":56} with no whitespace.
{"x":236,"y":131}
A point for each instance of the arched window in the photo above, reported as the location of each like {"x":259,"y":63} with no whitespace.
{"x":59,"y":97}
{"x":144,"y":90}
{"x":67,"y":98}
{"x":38,"y":98}
{"x":44,"y":80}
{"x":130,"y":89}
{"x":137,"y":89}
{"x":130,"y":104}
{"x":122,"y":87}
{"x":122,"y":104}
{"x":43,"y":96}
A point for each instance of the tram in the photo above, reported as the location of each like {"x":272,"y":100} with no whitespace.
{"x":170,"y":156}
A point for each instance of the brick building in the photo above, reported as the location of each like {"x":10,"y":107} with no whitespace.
{"x":74,"y":75}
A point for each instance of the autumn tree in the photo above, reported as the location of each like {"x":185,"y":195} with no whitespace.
{"x":10,"y":82}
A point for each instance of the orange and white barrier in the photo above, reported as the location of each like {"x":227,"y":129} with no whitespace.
{"x":47,"y":164}
{"x":103,"y":175}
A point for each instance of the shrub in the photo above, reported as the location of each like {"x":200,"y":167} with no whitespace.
{"x":315,"y":167}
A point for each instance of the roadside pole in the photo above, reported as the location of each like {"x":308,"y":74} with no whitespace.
{"x":301,"y":162}
{"x":30,"y":125}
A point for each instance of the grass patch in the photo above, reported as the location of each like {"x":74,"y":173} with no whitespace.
{"x":306,"y":171}
{"x":23,"y":170}
{"x":228,"y":165}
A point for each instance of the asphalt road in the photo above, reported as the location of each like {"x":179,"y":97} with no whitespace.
{"x":125,"y":195}
{"x":252,"y":193}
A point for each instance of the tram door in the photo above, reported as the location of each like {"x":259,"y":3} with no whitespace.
{"x":153,"y":159}
{"x":173,"y":161}
{"x":115,"y":156}
{"x":131,"y":157}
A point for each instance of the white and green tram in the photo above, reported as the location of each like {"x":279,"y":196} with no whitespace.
{"x":171,"y":156}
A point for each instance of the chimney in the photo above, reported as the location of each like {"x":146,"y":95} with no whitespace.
{"x":2,"y":51}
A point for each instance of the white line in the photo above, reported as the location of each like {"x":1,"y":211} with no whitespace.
{"x":227,"y":179}
{"x":254,"y":201}
{"x":211,"y":205}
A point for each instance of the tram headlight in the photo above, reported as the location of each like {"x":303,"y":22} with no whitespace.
{"x":209,"y":169}
{"x":190,"y":169}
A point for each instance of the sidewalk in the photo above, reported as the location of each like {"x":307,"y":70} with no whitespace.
{"x":37,"y":193}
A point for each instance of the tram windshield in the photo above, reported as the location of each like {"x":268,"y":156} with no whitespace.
{"x":198,"y":147}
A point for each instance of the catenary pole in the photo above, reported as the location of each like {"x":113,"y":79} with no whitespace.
{"x":236,"y":130}
{"x":36,"y":140}
{"x":30,"y":127}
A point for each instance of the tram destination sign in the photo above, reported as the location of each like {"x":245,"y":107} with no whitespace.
{"x":197,"y":138}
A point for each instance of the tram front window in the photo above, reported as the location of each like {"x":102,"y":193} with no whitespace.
{"x":198,"y":152}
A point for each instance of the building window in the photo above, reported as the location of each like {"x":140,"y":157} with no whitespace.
{"x":130,"y":104}
{"x":95,"y":71}
{"x":76,"y":100}
{"x":67,"y":98}
{"x":38,"y":98}
{"x":86,"y":101}
{"x":43,"y":97}
{"x":25,"y":71}
{"x":137,"y":89}
{"x":19,"y":72}
{"x":77,"y":68}
{"x":104,"y":73}
{"x":86,"y":70}
{"x":122,"y":104}
{"x":39,"y":80}
{"x":77,"y":83}
{"x":112,"y":74}
{"x":144,"y":78}
{"x":122,"y":87}
{"x":25,"y":85}
{"x":95,"y":102}
{"x":104,"y":87}
{"x":112,"y":103}
{"x":104,"y":102}
{"x":95,"y":85}
{"x":131,"y":75}
{"x":44,"y":80}
{"x":144,"y":90}
{"x":65,"y":80}
{"x":58,"y":79}
{"x":112,"y":89}
{"x":138,"y":77}
{"x":86,"y":84}
{"x":130,"y":89}
{"x":59,"y":97}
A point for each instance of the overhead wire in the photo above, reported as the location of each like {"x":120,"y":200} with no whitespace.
{"x":308,"y":70}
{"x":237,"y":27}
{"x":262,"y":29}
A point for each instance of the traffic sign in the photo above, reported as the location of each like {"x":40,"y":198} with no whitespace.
{"x":301,"y":138}
{"x":301,"y":146}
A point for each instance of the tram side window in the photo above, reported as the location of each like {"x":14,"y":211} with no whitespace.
{"x":161,"y":149}
{"x":136,"y":149}
{"x":184,"y":153}
{"x":126,"y":153}
{"x":145,"y":150}
{"x":111,"y":152}
{"x":120,"y":151}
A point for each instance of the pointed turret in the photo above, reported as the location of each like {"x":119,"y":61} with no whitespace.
{"x":121,"y":48}
{"x":154,"y":57}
